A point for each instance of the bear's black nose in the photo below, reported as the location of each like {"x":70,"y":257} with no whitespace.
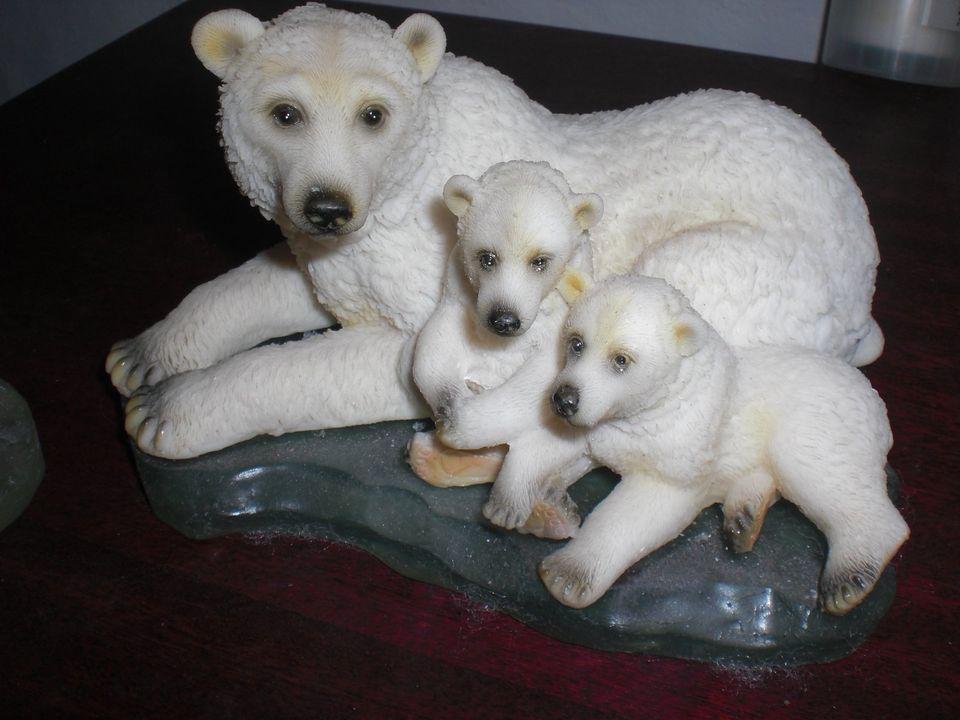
{"x":566,"y":401}
{"x":503,"y":322}
{"x":327,"y":211}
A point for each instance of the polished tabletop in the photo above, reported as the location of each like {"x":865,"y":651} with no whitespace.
{"x":116,"y":202}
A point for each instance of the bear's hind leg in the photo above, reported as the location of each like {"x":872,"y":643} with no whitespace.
{"x":745,"y":508}
{"x":863,"y":529}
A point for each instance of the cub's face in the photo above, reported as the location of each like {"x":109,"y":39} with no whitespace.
{"x":625,"y":340}
{"x":514,"y":253}
{"x":520,"y":229}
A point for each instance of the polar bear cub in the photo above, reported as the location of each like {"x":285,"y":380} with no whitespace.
{"x":688,"y":421}
{"x":485,"y":359}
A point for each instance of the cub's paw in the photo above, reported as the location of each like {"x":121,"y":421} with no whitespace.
{"x":129,"y":367}
{"x":505,"y":512}
{"x":569,"y":579}
{"x":553,"y":518}
{"x":741,"y":528}
{"x":441,"y":466}
{"x":842,"y":589}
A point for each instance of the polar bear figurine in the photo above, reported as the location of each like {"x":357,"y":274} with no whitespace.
{"x":487,"y":356}
{"x":343,"y":131}
{"x":687,"y":421}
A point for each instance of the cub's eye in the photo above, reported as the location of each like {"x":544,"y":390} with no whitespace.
{"x":487,"y":259}
{"x":620,"y":362}
{"x":575,"y":345}
{"x":286,"y":115}
{"x":373,"y":116}
{"x":540,"y":263}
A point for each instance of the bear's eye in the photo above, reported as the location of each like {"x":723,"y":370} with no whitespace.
{"x":373,"y":116}
{"x":487,"y":259}
{"x":575,"y":345}
{"x":286,"y":115}
{"x":620,"y":362}
{"x":540,"y":263}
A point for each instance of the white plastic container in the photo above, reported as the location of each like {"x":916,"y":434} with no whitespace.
{"x":911,"y":40}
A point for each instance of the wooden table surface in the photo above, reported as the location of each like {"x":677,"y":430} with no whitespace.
{"x":116,"y":202}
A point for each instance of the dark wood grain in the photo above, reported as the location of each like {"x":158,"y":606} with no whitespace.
{"x":116,"y":202}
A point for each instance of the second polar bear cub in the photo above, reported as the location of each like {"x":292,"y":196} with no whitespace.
{"x":486,"y":357}
{"x":688,"y":421}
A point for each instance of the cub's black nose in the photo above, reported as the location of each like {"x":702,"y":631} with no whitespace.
{"x":503,"y":322}
{"x":566,"y":401}
{"x":327,"y":211}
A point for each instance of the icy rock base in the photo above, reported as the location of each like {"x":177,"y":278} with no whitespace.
{"x":21,"y":462}
{"x":692,"y":599}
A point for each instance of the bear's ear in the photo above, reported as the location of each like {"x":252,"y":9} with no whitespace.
{"x":690,"y":333}
{"x":587,"y":210}
{"x":425,"y":39}
{"x":219,"y":36}
{"x":458,"y":194}
{"x":572,"y":284}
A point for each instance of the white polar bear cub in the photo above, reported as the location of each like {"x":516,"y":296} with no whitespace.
{"x":487,"y":356}
{"x":687,"y":421}
{"x":343,"y":131}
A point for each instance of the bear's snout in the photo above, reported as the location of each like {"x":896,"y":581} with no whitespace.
{"x":566,"y":401}
{"x":327,"y":211}
{"x":503,"y":321}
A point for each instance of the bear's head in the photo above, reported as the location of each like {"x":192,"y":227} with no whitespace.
{"x":522,"y":233}
{"x":626,"y":339}
{"x":312,"y":106}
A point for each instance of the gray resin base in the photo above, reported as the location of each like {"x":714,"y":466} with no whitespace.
{"x":692,"y":599}
{"x":21,"y":462}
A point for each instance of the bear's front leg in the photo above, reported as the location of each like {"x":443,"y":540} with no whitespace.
{"x":348,"y":377}
{"x":504,"y":413}
{"x":638,"y":516}
{"x":530,"y":492}
{"x":266,"y":297}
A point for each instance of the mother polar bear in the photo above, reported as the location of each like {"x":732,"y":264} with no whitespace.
{"x":344,"y":133}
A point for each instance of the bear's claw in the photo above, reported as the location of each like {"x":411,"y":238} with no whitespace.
{"x":128,"y":370}
{"x":567,"y":581}
{"x":741,"y":529}
{"x":843,"y":590}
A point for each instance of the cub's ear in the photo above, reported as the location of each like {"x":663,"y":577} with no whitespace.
{"x":690,"y":333}
{"x":425,"y":39}
{"x":572,"y":284}
{"x":219,"y":36}
{"x":587,"y":210}
{"x":458,"y":194}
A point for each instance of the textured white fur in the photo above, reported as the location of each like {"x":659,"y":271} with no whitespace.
{"x":688,"y":422}
{"x":741,"y":198}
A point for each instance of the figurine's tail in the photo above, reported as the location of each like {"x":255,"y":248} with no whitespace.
{"x":870,"y":346}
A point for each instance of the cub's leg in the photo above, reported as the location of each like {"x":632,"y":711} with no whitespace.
{"x":863,"y":529}
{"x":347,"y":377}
{"x":637,"y":517}
{"x":266,"y":297}
{"x":745,"y":508}
{"x":843,"y":491}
